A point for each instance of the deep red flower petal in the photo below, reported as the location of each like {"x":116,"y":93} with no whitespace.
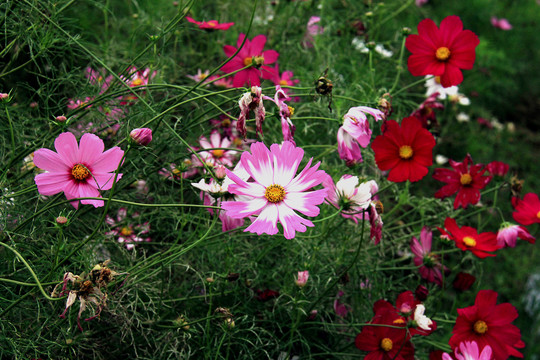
{"x":421,"y":64}
{"x":451,"y":76}
{"x":270,"y":56}
{"x":450,"y":28}
{"x":257,"y":45}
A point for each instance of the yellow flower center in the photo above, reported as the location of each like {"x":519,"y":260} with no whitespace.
{"x":176,"y":171}
{"x":386,"y":344}
{"x":212,"y":23}
{"x":237,"y":141}
{"x":259,"y":60}
{"x":399,"y":322}
{"x":274,"y":193}
{"x":469,"y":241}
{"x":291,"y":110}
{"x":438,"y":79}
{"x":405,"y":152}
{"x":248,"y":61}
{"x":226,"y":122}
{"x":465,"y":179}
{"x":283,"y":82}
{"x":136,"y":82}
{"x":218,"y":153}
{"x":538,"y":215}
{"x":80,"y":172}
{"x":126,"y":231}
{"x":442,"y":53}
{"x":480,"y":327}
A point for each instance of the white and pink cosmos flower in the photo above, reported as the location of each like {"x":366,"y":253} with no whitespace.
{"x":355,"y":132}
{"x":468,"y":350}
{"x":275,"y":192}
{"x":78,"y":170}
{"x":501,"y":23}
{"x":430,"y":266}
{"x":352,"y":197}
{"x":509,"y":233}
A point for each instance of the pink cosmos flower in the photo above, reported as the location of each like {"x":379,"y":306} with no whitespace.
{"x":501,"y":23}
{"x":349,"y":195}
{"x":285,"y":113}
{"x":134,"y":78}
{"x":468,"y":350}
{"x":79,"y":170}
{"x":356,"y":132}
{"x":302,"y":278}
{"x":251,"y":101}
{"x":283,"y":79}
{"x":199,"y":76}
{"x":127,"y":232}
{"x":430,"y":265}
{"x":341,"y":309}
{"x":210,"y":25}
{"x":275,"y":192}
{"x":313,"y":29}
{"x":97,"y":77}
{"x":508,"y":235}
{"x":225,"y":83}
{"x":251,"y":52}
{"x":217,"y":155}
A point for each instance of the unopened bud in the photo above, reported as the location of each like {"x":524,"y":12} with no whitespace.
{"x":406,"y":31}
{"x":61,"y":220}
{"x":258,"y":61}
{"x":141,"y":136}
{"x":220,"y":171}
{"x":61,"y":118}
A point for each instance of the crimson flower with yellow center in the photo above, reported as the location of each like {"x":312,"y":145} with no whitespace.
{"x":468,"y":238}
{"x":406,"y":150}
{"x":442,"y":51}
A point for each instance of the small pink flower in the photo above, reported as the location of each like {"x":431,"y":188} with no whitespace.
{"x":275,"y":192}
{"x":78,"y":103}
{"x":78,"y":170}
{"x":251,"y":53}
{"x":199,"y":76}
{"x":283,"y":79}
{"x":420,"y":3}
{"x":356,"y":132}
{"x":251,"y":101}
{"x":136,"y":78}
{"x":302,"y":278}
{"x":127,"y":232}
{"x":508,"y":235}
{"x":501,"y":23}
{"x":141,"y":136}
{"x":341,"y":309}
{"x":4,"y":96}
{"x":313,"y":29}
{"x":217,"y":153}
{"x":430,"y":265}
{"x":468,"y":350}
{"x":61,"y":118}
{"x":99,"y":78}
{"x":210,"y":25}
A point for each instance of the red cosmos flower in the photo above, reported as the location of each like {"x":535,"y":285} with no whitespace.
{"x":210,"y":25}
{"x":251,"y":52}
{"x":489,"y":324}
{"x":384,"y":343}
{"x":406,"y":151}
{"x":463,"y":281}
{"x":527,"y":211}
{"x":466,"y":180}
{"x":442,"y":51}
{"x":498,"y":168}
{"x":467,"y":238}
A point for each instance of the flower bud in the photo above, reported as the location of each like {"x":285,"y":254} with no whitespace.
{"x":302,"y":278}
{"x":141,"y":136}
{"x":61,"y":220}
{"x":220,"y":171}
{"x":421,"y":293}
{"x":463,"y":281}
{"x":4,"y":97}
{"x":406,"y":31}
{"x":61,"y":118}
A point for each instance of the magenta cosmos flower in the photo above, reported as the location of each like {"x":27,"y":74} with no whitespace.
{"x":430,"y":265}
{"x":275,"y":192}
{"x":251,"y":52}
{"x":210,"y":25}
{"x":79,"y":170}
{"x":442,"y":51}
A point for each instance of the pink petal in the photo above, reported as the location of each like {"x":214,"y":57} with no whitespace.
{"x":242,"y":209}
{"x":259,"y":164}
{"x":86,"y":190}
{"x":108,"y":161}
{"x":257,"y":45}
{"x":266,"y":222}
{"x":305,"y":202}
{"x":90,"y":148}
{"x":49,"y":160}
{"x":270,"y":56}
{"x":286,"y":160}
{"x":51,"y":183}
{"x":291,"y":221}
{"x":67,"y":148}
{"x":103,"y":181}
